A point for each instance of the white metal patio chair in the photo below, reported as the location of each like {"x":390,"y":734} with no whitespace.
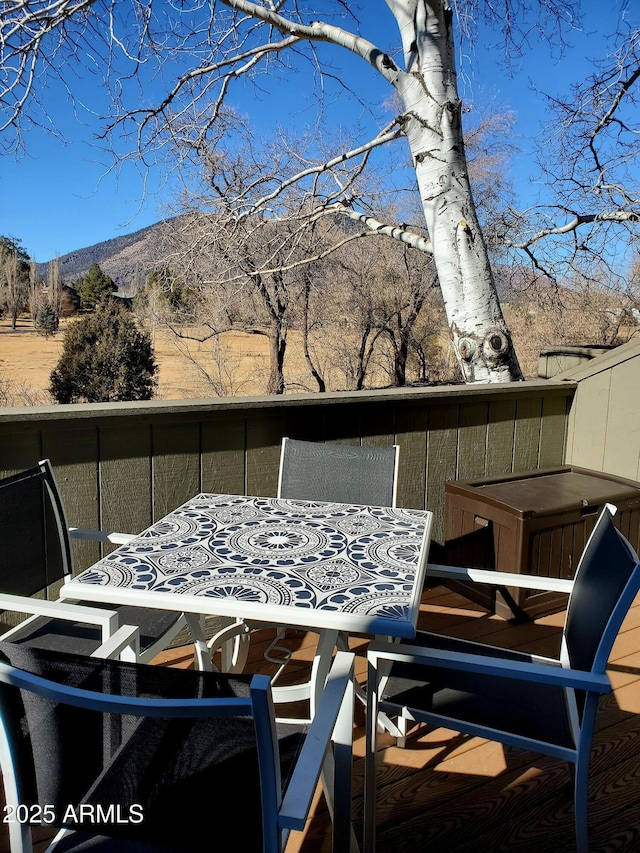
{"x":35,"y":552}
{"x":125,"y":756}
{"x":540,"y":704}
{"x":313,"y":471}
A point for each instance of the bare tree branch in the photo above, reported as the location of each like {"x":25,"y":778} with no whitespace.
{"x":396,"y":232}
{"x":575,"y":223}
{"x":32,"y":32}
{"x":172,"y":72}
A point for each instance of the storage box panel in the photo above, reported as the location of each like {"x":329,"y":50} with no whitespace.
{"x":534,"y":523}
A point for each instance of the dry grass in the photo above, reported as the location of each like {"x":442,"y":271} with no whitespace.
{"x":188,"y":369}
{"x":27,"y":359}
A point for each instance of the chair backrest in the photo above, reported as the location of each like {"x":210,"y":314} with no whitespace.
{"x":34,"y":538}
{"x":606,"y":582}
{"x":208,"y":765}
{"x":314,"y":471}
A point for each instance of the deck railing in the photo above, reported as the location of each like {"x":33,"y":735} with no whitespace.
{"x":122,"y":465}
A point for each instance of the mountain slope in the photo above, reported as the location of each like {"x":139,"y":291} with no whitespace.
{"x":128,"y":259}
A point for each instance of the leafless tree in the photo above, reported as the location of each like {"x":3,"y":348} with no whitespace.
{"x":15,"y":392}
{"x":408,"y":287}
{"x":54,"y":284}
{"x":308,"y":325}
{"x":363,"y":314}
{"x":234,"y":39}
{"x":250,"y":267}
{"x":589,"y":155}
{"x":35,"y":288}
{"x":13,"y":284}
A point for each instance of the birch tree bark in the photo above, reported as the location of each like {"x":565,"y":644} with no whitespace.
{"x":433,"y":126}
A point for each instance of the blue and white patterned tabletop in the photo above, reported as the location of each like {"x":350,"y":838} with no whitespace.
{"x":322,"y":565}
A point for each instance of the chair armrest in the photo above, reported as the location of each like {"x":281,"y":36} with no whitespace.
{"x":101,"y":536}
{"x":124,"y":644}
{"x":334,"y":712}
{"x":499,"y":578}
{"x":487,"y":665}
{"x":106,"y":619}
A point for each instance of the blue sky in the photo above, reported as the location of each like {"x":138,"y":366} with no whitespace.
{"x":58,"y":197}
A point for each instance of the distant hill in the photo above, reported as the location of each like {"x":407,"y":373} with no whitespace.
{"x":128,"y":259}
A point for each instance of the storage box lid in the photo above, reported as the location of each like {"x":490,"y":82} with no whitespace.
{"x":558,"y":490}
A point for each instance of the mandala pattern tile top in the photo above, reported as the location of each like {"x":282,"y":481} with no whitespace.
{"x":321,"y":556}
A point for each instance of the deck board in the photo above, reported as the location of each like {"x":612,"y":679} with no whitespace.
{"x":448,"y":793}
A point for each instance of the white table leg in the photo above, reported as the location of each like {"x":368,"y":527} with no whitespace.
{"x":195,"y":623}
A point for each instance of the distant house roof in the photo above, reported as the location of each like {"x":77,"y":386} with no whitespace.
{"x":124,"y":298}
{"x":559,"y":359}
{"x":605,"y":361}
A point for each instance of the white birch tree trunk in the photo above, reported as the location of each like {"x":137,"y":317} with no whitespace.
{"x":433,"y":126}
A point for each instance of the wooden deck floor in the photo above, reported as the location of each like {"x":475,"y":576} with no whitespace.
{"x":447,"y":793}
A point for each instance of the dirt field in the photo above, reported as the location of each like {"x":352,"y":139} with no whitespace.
{"x":236,"y":365}
{"x":240,"y":367}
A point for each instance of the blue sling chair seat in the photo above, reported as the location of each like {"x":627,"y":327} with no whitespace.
{"x":35,"y":556}
{"x":127,"y":756}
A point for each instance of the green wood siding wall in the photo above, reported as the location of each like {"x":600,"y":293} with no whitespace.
{"x":121,"y":466}
{"x":603,"y":430}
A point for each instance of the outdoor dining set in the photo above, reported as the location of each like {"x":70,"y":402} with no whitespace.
{"x":115,"y":754}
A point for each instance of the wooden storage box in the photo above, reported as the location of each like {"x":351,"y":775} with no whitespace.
{"x":536,"y":523}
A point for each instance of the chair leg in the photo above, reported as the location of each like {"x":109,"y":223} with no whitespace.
{"x":233,"y":642}
{"x":235,"y":653}
{"x":310,"y":690}
{"x":19,"y":831}
{"x":581,"y":772}
{"x":369,"y":828}
{"x":581,"y":780}
{"x":278,"y":654}
{"x":403,"y":726}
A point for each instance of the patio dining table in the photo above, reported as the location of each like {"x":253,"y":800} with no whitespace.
{"x":327,"y":567}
